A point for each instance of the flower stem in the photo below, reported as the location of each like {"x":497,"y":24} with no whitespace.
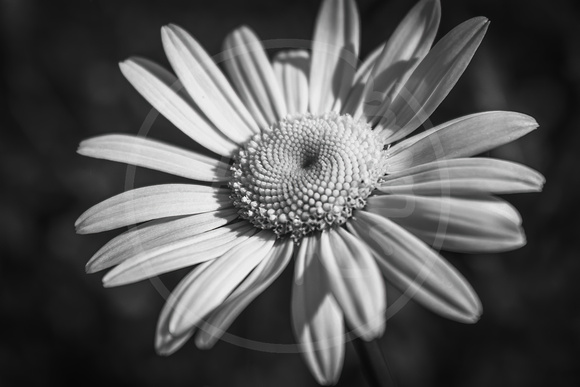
{"x":373,"y":363}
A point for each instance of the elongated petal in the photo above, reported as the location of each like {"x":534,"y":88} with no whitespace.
{"x":360,"y":79}
{"x":317,"y":318}
{"x":306,"y":249}
{"x":207,"y":85}
{"x":179,"y":254}
{"x":291,"y":69}
{"x":413,"y":37}
{"x":196,"y":299}
{"x":156,"y":234}
{"x":152,"y":154}
{"x":403,"y":52}
{"x":355,"y":281}
{"x":258,"y":281}
{"x":365,"y":69}
{"x":478,"y":224}
{"x":432,"y":80}
{"x":334,"y":55}
{"x":147,"y":203}
{"x":253,"y":76}
{"x":416,"y":269}
{"x":167,"y":343}
{"x":463,"y":176}
{"x":164,"y":92}
{"x":462,"y":137}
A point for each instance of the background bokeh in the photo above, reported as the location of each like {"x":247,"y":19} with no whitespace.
{"x":60,"y":84}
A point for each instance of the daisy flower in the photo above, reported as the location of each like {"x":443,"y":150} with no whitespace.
{"x":315,"y":160}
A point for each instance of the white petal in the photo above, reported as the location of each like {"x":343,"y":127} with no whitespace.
{"x":306,"y":249}
{"x":414,"y":35}
{"x":179,"y":254}
{"x":355,"y":281}
{"x":478,"y":224}
{"x":167,"y":343}
{"x":258,"y":281}
{"x":462,"y":137}
{"x":202,"y":295}
{"x":291,"y":69}
{"x":403,"y":52}
{"x":414,"y":268}
{"x":432,"y":80}
{"x":164,"y":92}
{"x":365,"y":69}
{"x":334,"y":55}
{"x":152,"y":154}
{"x":156,"y":234}
{"x":253,"y":76}
{"x":154,"y":202}
{"x":463,"y":176}
{"x":317,"y":318}
{"x":360,"y":79}
{"x":207,"y":85}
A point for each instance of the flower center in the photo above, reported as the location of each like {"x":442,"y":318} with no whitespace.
{"x":306,"y":173}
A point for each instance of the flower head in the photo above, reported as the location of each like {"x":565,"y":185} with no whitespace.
{"x":320,"y":164}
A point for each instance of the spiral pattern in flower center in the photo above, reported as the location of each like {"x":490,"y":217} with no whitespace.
{"x":306,"y":173}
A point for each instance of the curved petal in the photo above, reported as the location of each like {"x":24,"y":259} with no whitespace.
{"x":360,"y":79}
{"x":365,"y":69}
{"x":166,"y":342}
{"x":291,"y":68}
{"x":179,"y":254}
{"x":463,"y":176}
{"x":355,"y":281}
{"x":463,"y":137}
{"x":207,"y":85}
{"x":154,"y":202}
{"x":432,"y":80}
{"x":164,"y":92}
{"x":198,"y":297}
{"x":252,"y":73}
{"x":316,"y":317}
{"x":403,"y":52}
{"x":156,"y":234}
{"x":413,"y":37}
{"x":334,"y":55}
{"x":156,"y":155}
{"x":416,"y":269}
{"x":472,"y":224}
{"x":258,"y":281}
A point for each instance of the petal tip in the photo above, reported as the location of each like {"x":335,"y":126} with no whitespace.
{"x":372,"y":332}
{"x":203,"y":343}
{"x":108,"y":282}
{"x":481,"y":20}
{"x":162,"y":349}
{"x":169,"y":30}
{"x":80,"y":226}
{"x":540,"y":182}
{"x":244,"y":28}
{"x":474,"y":313}
{"x":473,"y":318}
{"x":328,"y":381}
{"x":125,"y":63}
{"x":89,"y":267}
{"x":170,"y":27}
{"x":128,"y":66}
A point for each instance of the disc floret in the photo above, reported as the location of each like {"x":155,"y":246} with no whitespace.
{"x":306,"y":173}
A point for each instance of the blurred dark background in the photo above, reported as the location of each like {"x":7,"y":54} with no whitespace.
{"x":60,"y":83}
